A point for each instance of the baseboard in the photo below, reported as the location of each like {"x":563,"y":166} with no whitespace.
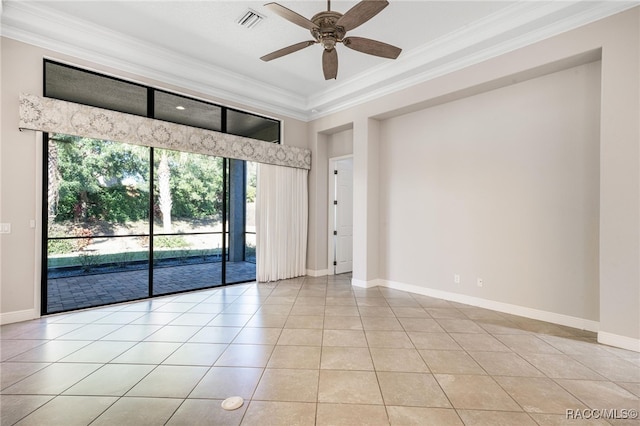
{"x":317,"y":272}
{"x":365,"y":284}
{"x":552,"y":317}
{"x":618,"y":341}
{"x":18,"y":316}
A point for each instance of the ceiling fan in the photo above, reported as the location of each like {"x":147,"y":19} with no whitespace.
{"x":329,"y":28}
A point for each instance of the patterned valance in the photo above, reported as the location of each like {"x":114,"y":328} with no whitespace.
{"x":56,"y":116}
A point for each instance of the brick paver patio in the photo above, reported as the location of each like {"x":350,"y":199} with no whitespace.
{"x":100,"y":289}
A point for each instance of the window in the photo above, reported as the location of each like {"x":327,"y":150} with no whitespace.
{"x":125,"y":222}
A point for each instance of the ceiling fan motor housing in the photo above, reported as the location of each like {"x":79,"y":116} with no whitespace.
{"x":326,"y":32}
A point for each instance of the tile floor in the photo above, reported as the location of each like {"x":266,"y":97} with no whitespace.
{"x":302,"y":352}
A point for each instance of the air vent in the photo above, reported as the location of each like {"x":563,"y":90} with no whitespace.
{"x":250,"y":19}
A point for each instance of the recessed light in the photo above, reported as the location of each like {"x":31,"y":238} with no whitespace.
{"x":180,"y":107}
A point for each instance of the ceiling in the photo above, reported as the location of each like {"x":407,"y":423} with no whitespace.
{"x":199,"y":45}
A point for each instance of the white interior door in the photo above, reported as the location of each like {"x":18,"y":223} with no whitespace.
{"x":343,"y":220}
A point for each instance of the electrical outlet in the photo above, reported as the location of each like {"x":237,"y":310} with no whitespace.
{"x":480,"y":283}
{"x":456,"y":279}
{"x":5,"y":228}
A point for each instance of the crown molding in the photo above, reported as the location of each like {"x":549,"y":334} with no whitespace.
{"x":512,"y":27}
{"x":35,"y":24}
{"x":464,"y":48}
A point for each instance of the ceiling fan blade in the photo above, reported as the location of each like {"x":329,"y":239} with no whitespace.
{"x":330,"y":64}
{"x":361,"y":13}
{"x":287,"y":50}
{"x":290,"y":15}
{"x":372,"y":47}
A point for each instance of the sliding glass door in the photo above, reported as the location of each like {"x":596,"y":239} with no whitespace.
{"x":126,"y":222}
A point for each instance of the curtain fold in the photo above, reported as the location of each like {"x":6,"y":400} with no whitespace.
{"x":281,"y":222}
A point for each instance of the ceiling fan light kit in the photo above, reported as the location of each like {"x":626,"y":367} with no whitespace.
{"x":329,"y":28}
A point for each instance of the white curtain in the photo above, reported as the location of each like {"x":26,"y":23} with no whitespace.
{"x":281,"y":222}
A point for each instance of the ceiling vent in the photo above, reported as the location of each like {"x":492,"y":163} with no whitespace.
{"x":250,"y":19}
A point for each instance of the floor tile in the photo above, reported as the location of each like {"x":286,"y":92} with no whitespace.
{"x":133,"y":332}
{"x":304,"y":337}
{"x":460,"y":326}
{"x":267,"y":320}
{"x":206,"y":412}
{"x":420,"y":416}
{"x":505,"y":364}
{"x":479,"y":342}
{"x":13,"y":372}
{"x":410,"y":312}
{"x":230,"y":320}
{"x":599,"y":394}
{"x":90,"y":332}
{"x":342,"y":323}
{"x":562,"y":420}
{"x":174,"y":333}
{"x":611,"y":367}
{"x":52,"y":380}
{"x":375,"y":311}
{"x":202,"y":354}
{"x":99,"y":352}
{"x":307,"y":309}
{"x":287,"y":385}
{"x":237,"y":355}
{"x":476,"y":392}
{"x":411,"y":389}
{"x":388,"y":339}
{"x":351,"y":414}
{"x":305,"y":321}
{"x":279,"y":413}
{"x":258,"y":336}
{"x":12,"y":348}
{"x":539,"y":395}
{"x":433,"y":341}
{"x":495,"y":418}
{"x":341,"y":311}
{"x":451,"y":362}
{"x":560,"y":366}
{"x":69,"y":410}
{"x":305,"y":357}
{"x":139,"y":412}
{"x":147,"y":353}
{"x":341,"y":358}
{"x":381,"y":323}
{"x":350,"y":338}
{"x":428,"y":325}
{"x":15,"y":407}
{"x":193,"y":319}
{"x":634,"y":388}
{"x":224,"y":382}
{"x":110,"y":380}
{"x":215,"y":335}
{"x":349,"y":387}
{"x":393,"y":359}
{"x":51,"y":351}
{"x":169,"y":381}
{"x":446,"y":313}
{"x":526,"y":343}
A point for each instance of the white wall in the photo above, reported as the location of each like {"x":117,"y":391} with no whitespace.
{"x":503,"y":186}
{"x":340,"y":144}
{"x":20,"y":172}
{"x":616,"y":40}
